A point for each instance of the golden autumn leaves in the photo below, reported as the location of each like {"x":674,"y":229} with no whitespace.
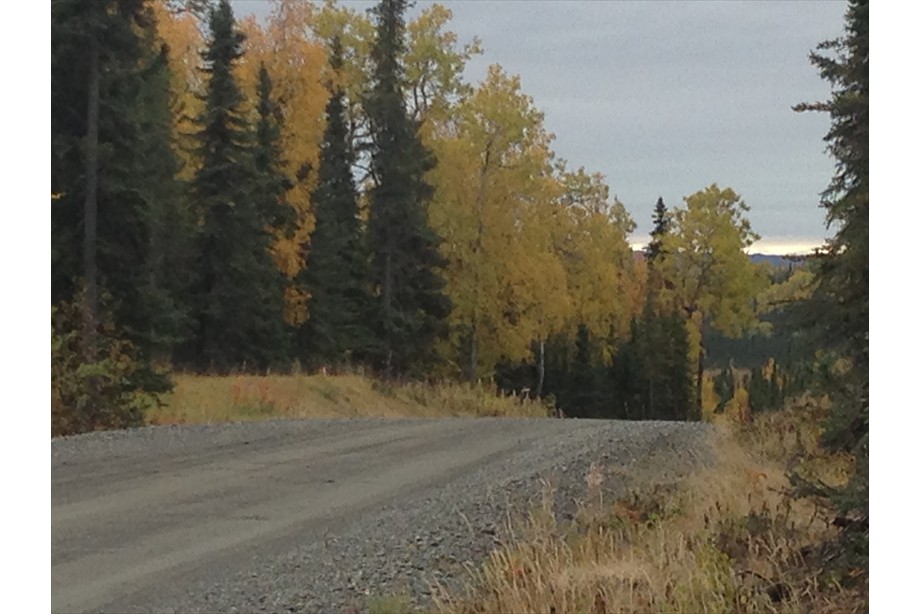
{"x":533,"y":248}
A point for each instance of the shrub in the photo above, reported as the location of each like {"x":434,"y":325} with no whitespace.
{"x":110,"y":391}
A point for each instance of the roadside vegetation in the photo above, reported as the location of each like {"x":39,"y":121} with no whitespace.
{"x":200,"y":399}
{"x":734,"y":537}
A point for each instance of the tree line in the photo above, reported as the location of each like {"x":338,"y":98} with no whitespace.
{"x":325,"y":189}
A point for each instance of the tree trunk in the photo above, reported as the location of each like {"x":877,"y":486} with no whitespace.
{"x":90,"y":206}
{"x":541,"y":369}
{"x":477,"y":263}
{"x":387,"y":303}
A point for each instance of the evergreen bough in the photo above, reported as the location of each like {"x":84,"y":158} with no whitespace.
{"x":410,"y":304}
{"x":337,"y":271}
{"x":239,"y":298}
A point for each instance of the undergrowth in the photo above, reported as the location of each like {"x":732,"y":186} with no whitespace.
{"x":207,"y":399}
{"x":731,"y":538}
{"x":114,"y":389}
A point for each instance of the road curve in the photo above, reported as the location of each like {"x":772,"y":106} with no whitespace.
{"x":141,"y":520}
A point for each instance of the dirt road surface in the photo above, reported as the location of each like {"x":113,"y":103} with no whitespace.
{"x":248,"y":516}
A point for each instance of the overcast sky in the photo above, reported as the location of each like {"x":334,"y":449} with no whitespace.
{"x":665,"y":98}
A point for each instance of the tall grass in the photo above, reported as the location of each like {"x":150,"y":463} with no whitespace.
{"x":207,"y":399}
{"x":729,"y":539}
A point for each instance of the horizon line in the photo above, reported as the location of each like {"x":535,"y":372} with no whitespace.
{"x":787,"y":246}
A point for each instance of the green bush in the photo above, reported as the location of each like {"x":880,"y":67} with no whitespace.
{"x":111,"y":390}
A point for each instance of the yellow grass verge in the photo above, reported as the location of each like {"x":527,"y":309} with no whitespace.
{"x":207,"y":399}
{"x":728,"y":539}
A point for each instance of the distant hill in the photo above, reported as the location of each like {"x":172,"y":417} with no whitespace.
{"x":771,"y":259}
{"x":777,"y":261}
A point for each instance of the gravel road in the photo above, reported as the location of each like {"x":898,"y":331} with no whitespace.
{"x":318,"y":515}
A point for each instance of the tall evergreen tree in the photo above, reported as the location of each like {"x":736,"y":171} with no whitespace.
{"x":668,"y":390}
{"x":676,"y":400}
{"x":574,"y":374}
{"x":276,"y":215}
{"x":841,"y":298}
{"x":240,"y":307}
{"x":162,"y":305}
{"x":662,"y":226}
{"x":660,"y":387}
{"x":337,"y":275}
{"x":651,"y":374}
{"x":273,"y":182}
{"x":627,"y":375}
{"x":411,"y":303}
{"x":655,"y":253}
{"x":113,"y":169}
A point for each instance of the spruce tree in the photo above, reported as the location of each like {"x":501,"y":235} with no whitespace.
{"x":628,"y":377}
{"x":840,"y":307}
{"x":160,"y":320}
{"x":240,"y":308}
{"x":651,"y":377}
{"x":411,"y":305}
{"x":658,"y":384}
{"x":336,"y":275}
{"x":665,"y":378}
{"x":277,"y":217}
{"x":676,"y":399}
{"x":113,"y":170}
{"x":662,"y":226}
{"x":574,"y":380}
{"x":273,"y":182}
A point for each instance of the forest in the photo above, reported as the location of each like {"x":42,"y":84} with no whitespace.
{"x":322,"y":191}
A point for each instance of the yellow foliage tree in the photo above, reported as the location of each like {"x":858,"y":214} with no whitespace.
{"x":493,"y":207}
{"x":592,"y":241}
{"x":434,"y":63}
{"x":707,"y":275}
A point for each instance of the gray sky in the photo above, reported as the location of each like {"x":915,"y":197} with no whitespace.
{"x":666,"y":98}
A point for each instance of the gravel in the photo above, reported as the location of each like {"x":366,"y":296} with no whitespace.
{"x":433,"y":536}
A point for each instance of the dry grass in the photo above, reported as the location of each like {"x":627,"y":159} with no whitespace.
{"x":390,"y":604}
{"x":208,"y":399}
{"x":729,"y":539}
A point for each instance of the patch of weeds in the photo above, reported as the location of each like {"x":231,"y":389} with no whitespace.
{"x":383,"y":388}
{"x":648,"y":507}
{"x":390,"y":604}
{"x":252,"y":399}
{"x":328,"y":391}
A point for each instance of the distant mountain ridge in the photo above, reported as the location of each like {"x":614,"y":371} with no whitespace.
{"x":773,"y":260}
{"x":777,"y":261}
